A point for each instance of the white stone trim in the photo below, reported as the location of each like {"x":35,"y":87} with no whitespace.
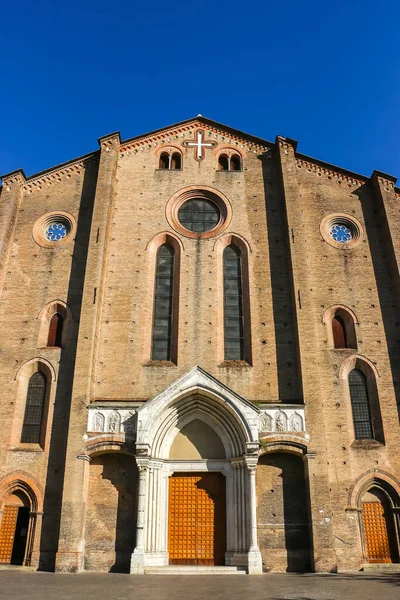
{"x":280,"y":419}
{"x":127,"y":418}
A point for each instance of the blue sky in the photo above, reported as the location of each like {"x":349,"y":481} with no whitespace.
{"x":324,"y":73}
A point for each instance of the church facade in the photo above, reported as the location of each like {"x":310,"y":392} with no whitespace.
{"x":199,"y":359}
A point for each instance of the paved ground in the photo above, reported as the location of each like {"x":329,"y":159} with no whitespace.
{"x":18,"y":585}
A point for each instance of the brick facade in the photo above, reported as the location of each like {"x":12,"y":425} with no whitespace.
{"x":121,"y":209}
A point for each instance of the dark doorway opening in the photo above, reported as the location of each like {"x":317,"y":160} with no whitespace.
{"x":21,"y":535}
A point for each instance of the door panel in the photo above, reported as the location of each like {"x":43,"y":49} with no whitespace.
{"x":376,"y":532}
{"x":197,"y":519}
{"x":7,"y":533}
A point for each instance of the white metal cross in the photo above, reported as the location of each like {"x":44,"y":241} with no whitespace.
{"x":199,"y":145}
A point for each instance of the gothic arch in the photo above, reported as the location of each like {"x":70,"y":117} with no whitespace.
{"x":45,"y":315}
{"x":349,"y":320}
{"x":22,"y":379}
{"x":373,"y":477}
{"x":22,"y":481}
{"x":197,"y":395}
{"x":371,"y":378}
{"x":152,"y":249}
{"x":244,"y":250}
{"x":356,"y":361}
{"x":36,"y":364}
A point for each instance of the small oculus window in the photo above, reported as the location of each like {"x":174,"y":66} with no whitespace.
{"x":341,"y":234}
{"x":199,"y":215}
{"x":56,"y":232}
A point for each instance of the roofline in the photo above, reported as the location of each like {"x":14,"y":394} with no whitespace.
{"x":333,"y":167}
{"x":206,"y":121}
{"x":59,"y":166}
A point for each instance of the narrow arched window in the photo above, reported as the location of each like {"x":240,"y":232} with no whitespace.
{"x":360,"y":405}
{"x":163,"y":303}
{"x":176,"y":161}
{"x":223,"y":163}
{"x":233,"y":304}
{"x":164,"y":161}
{"x":55,"y":330}
{"x":235,"y":163}
{"x":339,"y":332}
{"x":32,"y":426}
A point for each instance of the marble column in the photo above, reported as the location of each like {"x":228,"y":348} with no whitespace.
{"x":254,"y":554}
{"x":137,"y":559}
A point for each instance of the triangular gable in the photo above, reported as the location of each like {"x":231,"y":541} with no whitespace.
{"x":197,"y":380}
{"x":185,"y":130}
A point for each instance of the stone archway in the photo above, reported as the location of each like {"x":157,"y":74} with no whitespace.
{"x":379,"y":529}
{"x":232,"y":423}
{"x":21,"y":508}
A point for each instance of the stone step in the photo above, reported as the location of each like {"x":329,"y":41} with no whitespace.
{"x":193,"y":570}
{"x":380,"y":567}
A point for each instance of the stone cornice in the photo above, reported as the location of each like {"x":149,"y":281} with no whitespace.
{"x":330,"y":172}
{"x":15,"y":178}
{"x":57,"y":174}
{"x":186,"y":131}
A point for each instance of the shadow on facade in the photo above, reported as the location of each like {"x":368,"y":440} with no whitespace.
{"x":290,"y":387}
{"x":387,"y":277}
{"x":284,"y":506}
{"x":122,"y":474}
{"x":58,"y":443}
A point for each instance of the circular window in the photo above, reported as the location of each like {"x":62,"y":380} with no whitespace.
{"x":53,"y":229}
{"x":341,"y":231}
{"x":199,"y":215}
{"x":56,"y":232}
{"x":341,"y":234}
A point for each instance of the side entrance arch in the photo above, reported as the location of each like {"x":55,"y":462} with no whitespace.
{"x":18,"y":514}
{"x":380,"y":538}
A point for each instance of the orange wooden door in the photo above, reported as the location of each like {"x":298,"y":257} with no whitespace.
{"x":376,"y":533}
{"x":197,"y":519}
{"x":7,"y":533}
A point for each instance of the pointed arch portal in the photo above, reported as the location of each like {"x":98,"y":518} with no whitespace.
{"x":197,"y":444}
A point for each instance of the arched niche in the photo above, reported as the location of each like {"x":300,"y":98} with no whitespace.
{"x":195,"y":441}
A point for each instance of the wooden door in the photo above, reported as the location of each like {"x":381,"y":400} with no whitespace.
{"x":376,"y":533}
{"x":197,"y":519}
{"x":7,"y":533}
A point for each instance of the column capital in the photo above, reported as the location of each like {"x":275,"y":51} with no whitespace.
{"x":251,"y":462}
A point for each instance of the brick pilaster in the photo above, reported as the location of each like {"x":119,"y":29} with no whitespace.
{"x":70,"y":555}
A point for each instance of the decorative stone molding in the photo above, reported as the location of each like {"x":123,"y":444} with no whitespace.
{"x":15,"y":178}
{"x":280,"y":419}
{"x":57,"y":174}
{"x":186,"y":132}
{"x":320,"y":171}
{"x":111,"y":420}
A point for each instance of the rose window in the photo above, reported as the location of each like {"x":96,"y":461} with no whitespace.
{"x":56,"y":232}
{"x":341,"y":234}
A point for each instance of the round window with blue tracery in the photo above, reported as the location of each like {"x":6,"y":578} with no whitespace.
{"x":56,"y":232}
{"x":341,"y":234}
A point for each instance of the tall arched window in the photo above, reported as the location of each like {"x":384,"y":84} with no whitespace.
{"x":233,"y":305}
{"x":32,"y":426}
{"x":360,"y":405}
{"x":163,"y":304}
{"x":339,"y":332}
{"x":55,"y":330}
